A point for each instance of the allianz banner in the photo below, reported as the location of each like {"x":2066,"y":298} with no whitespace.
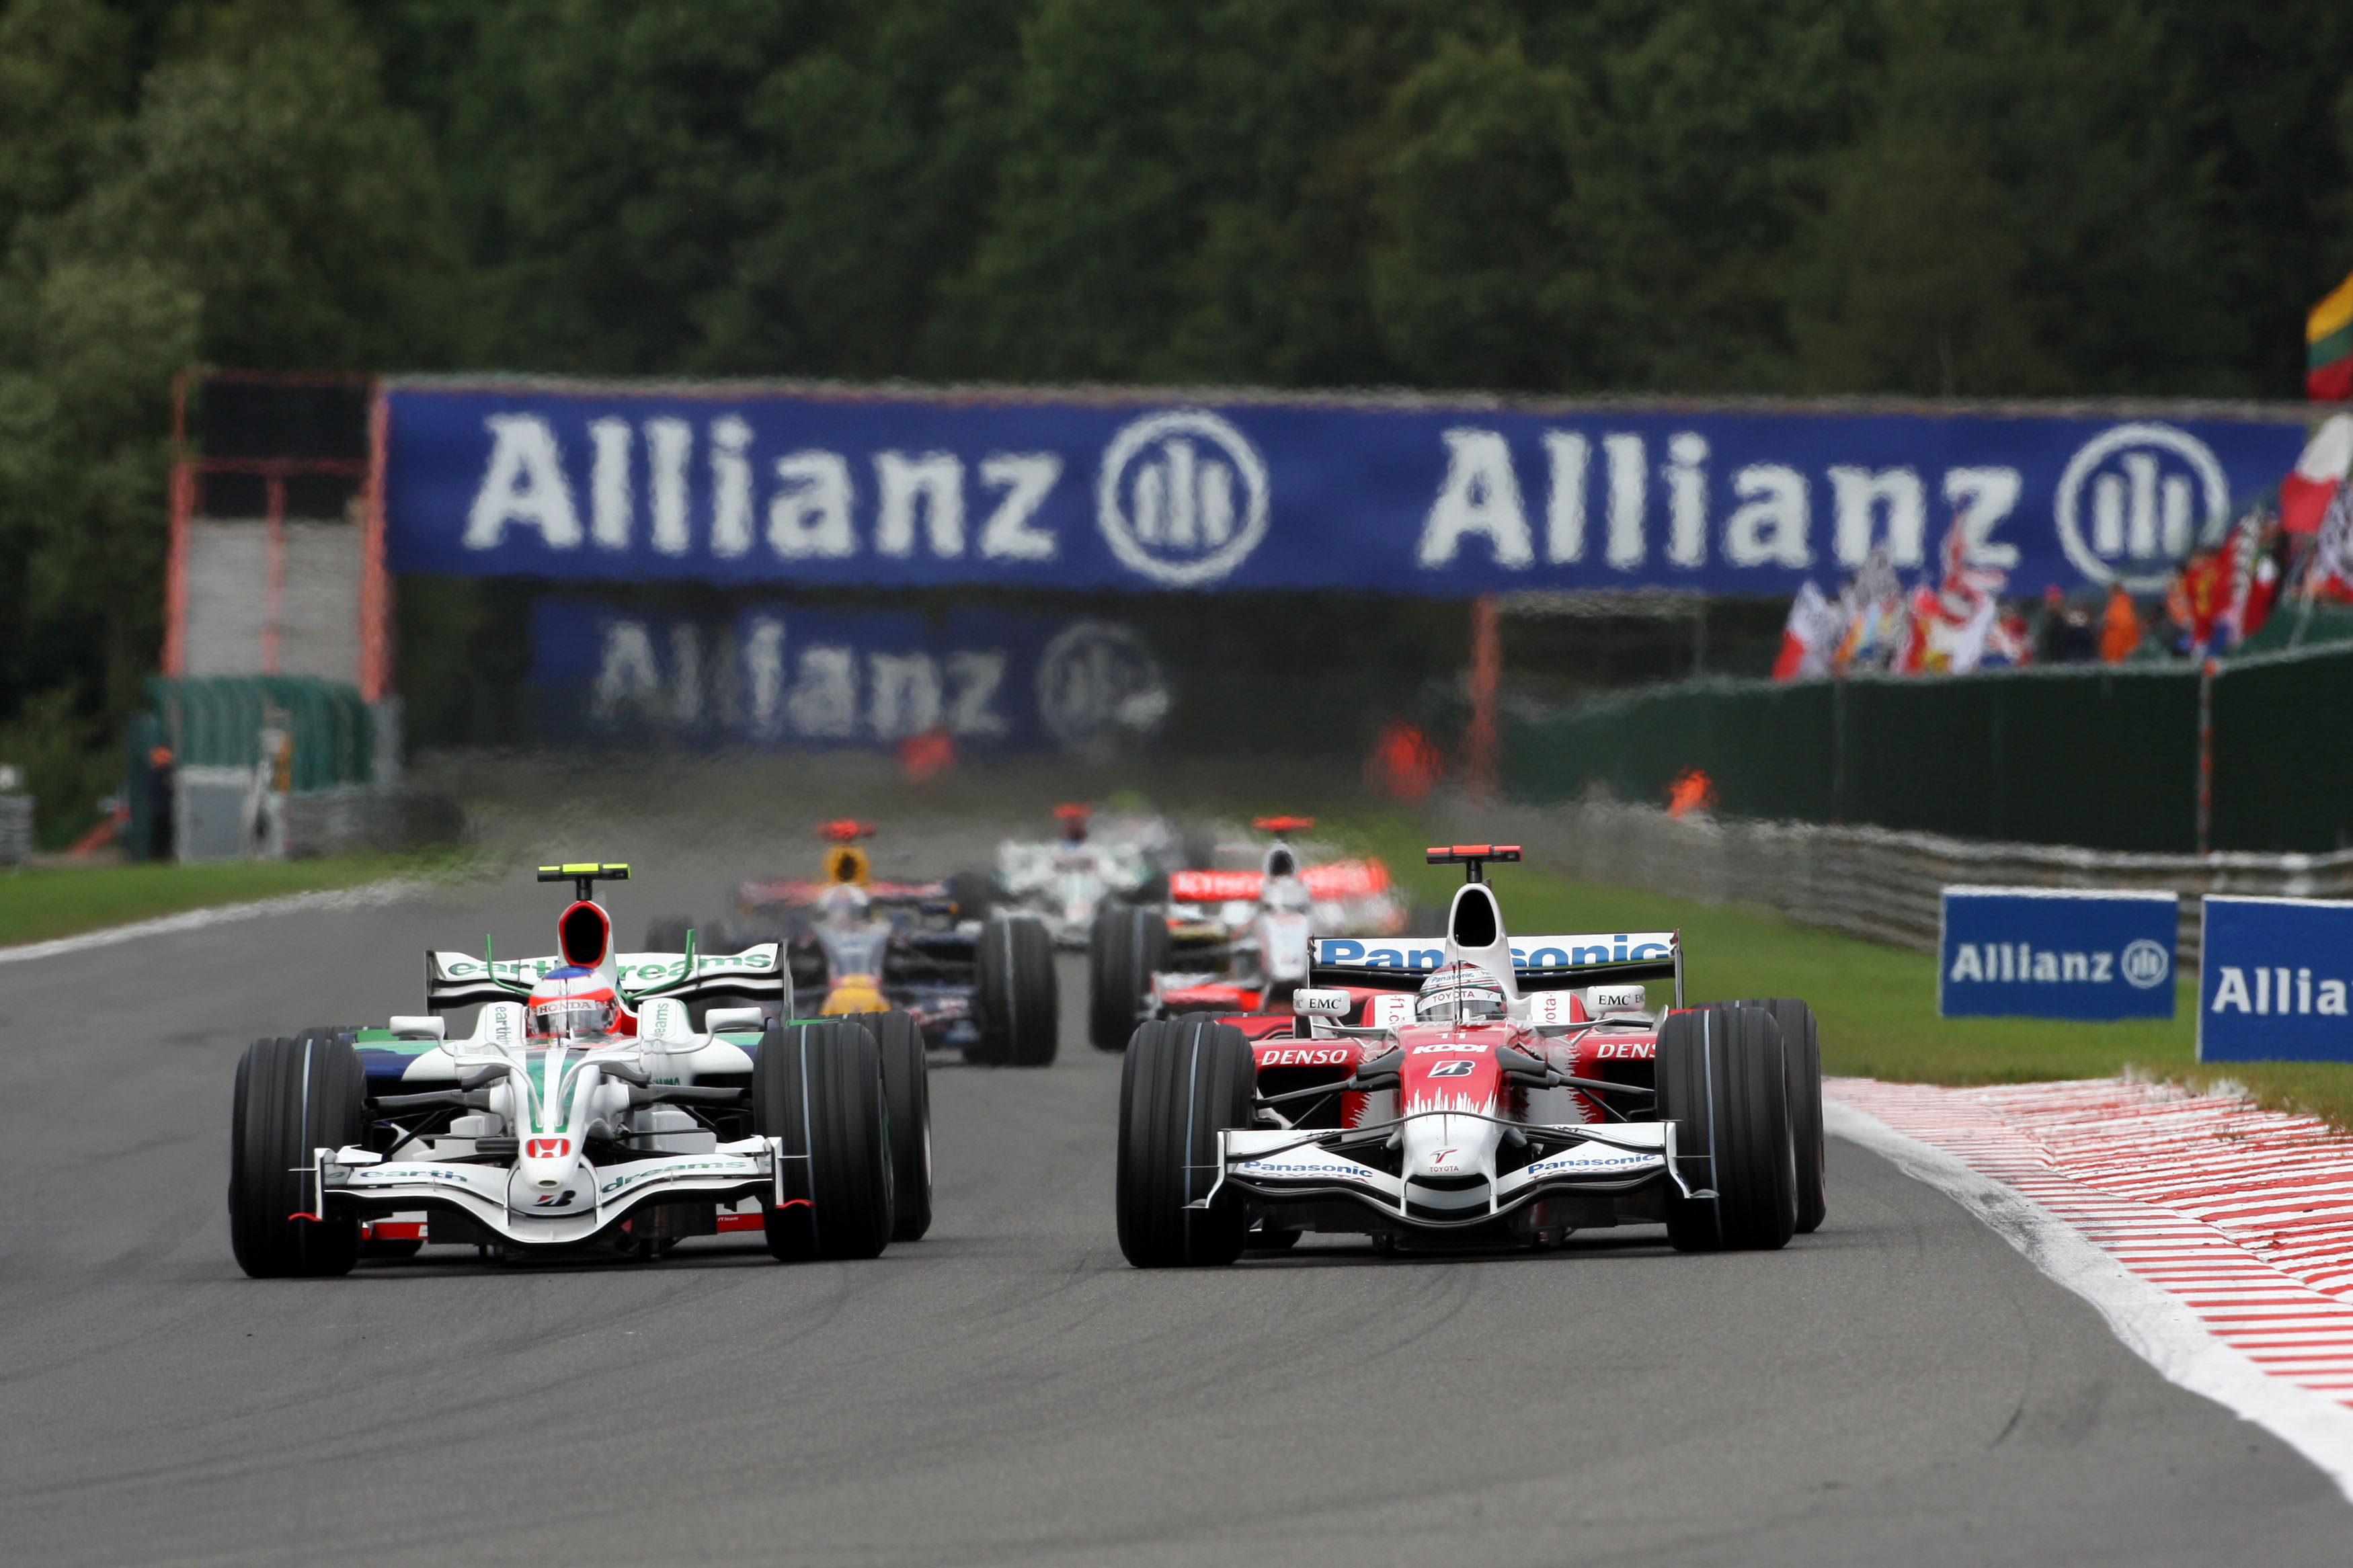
{"x":2272,"y":981}
{"x":1125,"y":491}
{"x":792,"y":675}
{"x":2039,"y":952}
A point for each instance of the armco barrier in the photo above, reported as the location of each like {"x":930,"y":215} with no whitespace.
{"x":1871,"y":881}
{"x":2100,"y":756}
{"x":15,"y":829}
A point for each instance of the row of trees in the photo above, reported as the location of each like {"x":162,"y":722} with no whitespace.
{"x":1926,"y":196}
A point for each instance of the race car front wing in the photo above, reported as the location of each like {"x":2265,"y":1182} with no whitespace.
{"x":1291,"y":1165}
{"x":495,"y":1197}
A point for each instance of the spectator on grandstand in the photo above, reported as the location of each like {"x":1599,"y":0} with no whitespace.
{"x":2064,"y":633}
{"x":2120,"y":628}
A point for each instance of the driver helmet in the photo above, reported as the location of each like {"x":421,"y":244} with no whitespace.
{"x":843,"y":902}
{"x":572,"y":1003}
{"x":1459,"y":992}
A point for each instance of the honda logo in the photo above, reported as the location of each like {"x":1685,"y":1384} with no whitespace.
{"x":547,"y":1148}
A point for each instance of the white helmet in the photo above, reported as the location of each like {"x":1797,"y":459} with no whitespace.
{"x":1460,"y":994}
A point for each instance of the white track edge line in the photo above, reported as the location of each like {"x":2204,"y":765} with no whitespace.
{"x":2152,"y":1322}
{"x":366,"y":896}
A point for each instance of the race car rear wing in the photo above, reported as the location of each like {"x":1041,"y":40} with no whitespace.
{"x":1539,"y":963}
{"x":755,"y":974}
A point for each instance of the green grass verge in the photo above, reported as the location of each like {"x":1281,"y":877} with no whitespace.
{"x":52,"y":902}
{"x":1877,"y":1004}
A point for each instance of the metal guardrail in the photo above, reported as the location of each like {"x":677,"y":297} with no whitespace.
{"x":15,"y":829}
{"x":1873,"y":882}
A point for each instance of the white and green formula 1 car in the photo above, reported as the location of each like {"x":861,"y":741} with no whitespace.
{"x":585,"y":1108}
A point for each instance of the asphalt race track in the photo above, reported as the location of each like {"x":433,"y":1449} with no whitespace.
{"x":1900,"y":1388}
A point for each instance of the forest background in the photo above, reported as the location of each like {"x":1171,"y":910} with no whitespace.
{"x":1933,"y":197}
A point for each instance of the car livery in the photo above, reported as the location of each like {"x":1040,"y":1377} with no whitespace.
{"x":1571,"y":1107}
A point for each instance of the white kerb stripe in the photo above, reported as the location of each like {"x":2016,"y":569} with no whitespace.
{"x":2153,"y":1323}
{"x":366,"y":897}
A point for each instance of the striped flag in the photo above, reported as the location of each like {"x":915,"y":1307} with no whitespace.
{"x":2328,"y":346}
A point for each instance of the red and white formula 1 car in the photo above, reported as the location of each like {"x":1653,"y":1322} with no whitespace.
{"x":1230,"y":940}
{"x":1473,"y":1088}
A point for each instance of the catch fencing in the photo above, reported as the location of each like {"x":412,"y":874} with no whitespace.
{"x":1873,"y":882}
{"x":2102,"y":757}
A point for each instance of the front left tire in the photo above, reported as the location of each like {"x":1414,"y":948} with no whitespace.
{"x":1183,"y":1080}
{"x":818,"y":1088}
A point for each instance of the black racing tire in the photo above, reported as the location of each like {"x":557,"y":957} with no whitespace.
{"x":293,"y":1096}
{"x":819,"y":1086}
{"x":907,"y":1085}
{"x":1722,"y":1085}
{"x":1130,"y":946}
{"x":668,"y":934}
{"x":1182,"y":1081}
{"x":1019,"y":996}
{"x":1801,"y":1057}
{"x":974,"y":894}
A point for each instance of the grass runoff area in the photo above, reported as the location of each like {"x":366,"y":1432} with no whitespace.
{"x":47,"y":902}
{"x":1877,"y":1004}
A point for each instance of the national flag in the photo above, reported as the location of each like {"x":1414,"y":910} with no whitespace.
{"x":2328,"y":346}
{"x":2318,"y":474}
{"x":1807,"y":636}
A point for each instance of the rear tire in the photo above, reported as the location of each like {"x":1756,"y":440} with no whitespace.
{"x":1129,"y":946}
{"x":1722,"y":1084}
{"x":819,"y":1086}
{"x":292,"y":1097}
{"x":1020,"y":1001}
{"x":906,"y":1085}
{"x":1801,"y":1057}
{"x":1183,"y":1080}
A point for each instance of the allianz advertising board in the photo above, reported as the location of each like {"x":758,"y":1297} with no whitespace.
{"x":793,"y":675}
{"x":2037,"y":952}
{"x":1124,"y":489}
{"x":2271,"y":981}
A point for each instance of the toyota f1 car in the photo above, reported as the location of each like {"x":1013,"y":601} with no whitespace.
{"x":584,"y":1108}
{"x":1230,"y":940}
{"x":1473,"y":1090}
{"x":973,"y":977}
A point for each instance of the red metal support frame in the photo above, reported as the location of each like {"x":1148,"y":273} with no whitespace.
{"x":376,"y":583}
{"x":1482,"y":744}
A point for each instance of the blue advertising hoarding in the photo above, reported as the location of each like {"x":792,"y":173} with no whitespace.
{"x":2271,"y":981}
{"x":901,"y":490}
{"x":778,"y":675}
{"x":2042,"y":953}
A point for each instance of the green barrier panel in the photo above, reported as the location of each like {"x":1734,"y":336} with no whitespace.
{"x":2104,"y":756}
{"x":216,"y":721}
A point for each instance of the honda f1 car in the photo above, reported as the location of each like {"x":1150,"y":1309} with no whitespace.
{"x":1230,"y":940}
{"x":1473,"y":1090}
{"x":583,"y":1109}
{"x":973,"y":977}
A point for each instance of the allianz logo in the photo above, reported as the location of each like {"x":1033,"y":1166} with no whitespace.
{"x":1181,"y":495}
{"x":2275,"y":990}
{"x":2142,"y":965}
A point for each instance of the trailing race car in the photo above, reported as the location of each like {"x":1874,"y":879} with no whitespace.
{"x":1474,"y":1089}
{"x":1092,"y":865}
{"x":972,"y":977}
{"x":583,"y":1109}
{"x":1230,"y":940}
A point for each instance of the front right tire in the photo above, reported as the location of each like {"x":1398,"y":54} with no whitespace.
{"x":1128,"y":945}
{"x":293,"y":1096}
{"x":1184,"y":1079}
